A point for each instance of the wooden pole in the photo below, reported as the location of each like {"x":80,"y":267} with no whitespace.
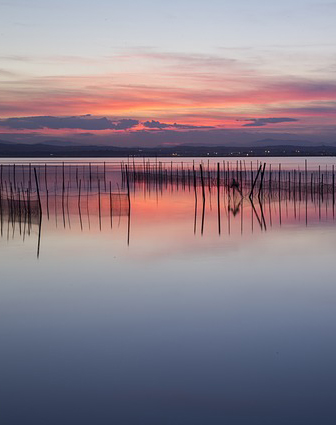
{"x":79,"y":193}
{"x":30,"y":176}
{"x":333,"y":183}
{"x":195,"y":186}
{"x":38,"y":191}
{"x":90,"y":175}
{"x":45,"y":176}
{"x":99,"y":205}
{"x":14,"y":173}
{"x":128,"y":188}
{"x":306,"y":174}
{"x":105,"y":173}
{"x":255,"y":181}
{"x":261,"y":180}
{"x":111,"y":202}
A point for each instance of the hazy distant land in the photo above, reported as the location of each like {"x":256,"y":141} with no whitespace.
{"x":53,"y":149}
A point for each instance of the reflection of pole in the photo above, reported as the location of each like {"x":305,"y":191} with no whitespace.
{"x":195,"y":189}
{"x":111,"y":203}
{"x":218,"y":198}
{"x":79,"y":204}
{"x":229,"y":211}
{"x":255,"y":212}
{"x":129,"y":207}
{"x":55,"y":202}
{"x":203,"y":213}
{"x":202,"y":180}
{"x":262,"y":214}
{"x":280,"y":206}
{"x":47,"y":203}
{"x":306,"y":181}
{"x":128,"y":226}
{"x":63,"y":191}
{"x":87,"y":204}
{"x":39,"y":237}
{"x":79,"y":193}
{"x":1,"y":201}
{"x":333,"y":188}
{"x":241,"y":215}
{"x":19,"y":209}
{"x":195,"y":217}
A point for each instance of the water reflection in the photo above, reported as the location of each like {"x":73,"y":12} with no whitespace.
{"x":93,"y":198}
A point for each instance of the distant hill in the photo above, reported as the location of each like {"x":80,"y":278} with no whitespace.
{"x":286,"y":142}
{"x":64,"y":143}
{"x":4,"y":142}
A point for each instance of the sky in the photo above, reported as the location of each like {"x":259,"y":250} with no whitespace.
{"x":160,"y":73}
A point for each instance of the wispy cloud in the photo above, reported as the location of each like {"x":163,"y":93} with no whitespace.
{"x":6,"y":73}
{"x":317,"y":109}
{"x":56,"y":59}
{"x":110,"y":95}
{"x":173,"y":58}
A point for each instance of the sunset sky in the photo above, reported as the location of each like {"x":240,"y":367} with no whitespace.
{"x":154,"y":72}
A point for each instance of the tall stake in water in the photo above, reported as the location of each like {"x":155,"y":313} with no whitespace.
{"x":38,"y":191}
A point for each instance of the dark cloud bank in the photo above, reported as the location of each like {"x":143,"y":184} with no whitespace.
{"x":155,"y":133}
{"x":161,"y":125}
{"x":86,"y":122}
{"x":260,"y":122}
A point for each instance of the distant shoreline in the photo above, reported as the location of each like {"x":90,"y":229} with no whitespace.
{"x":9,"y":150}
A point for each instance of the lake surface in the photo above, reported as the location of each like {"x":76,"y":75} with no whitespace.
{"x":152,"y":306}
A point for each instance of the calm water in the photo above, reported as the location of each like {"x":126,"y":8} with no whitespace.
{"x":172,"y":312}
